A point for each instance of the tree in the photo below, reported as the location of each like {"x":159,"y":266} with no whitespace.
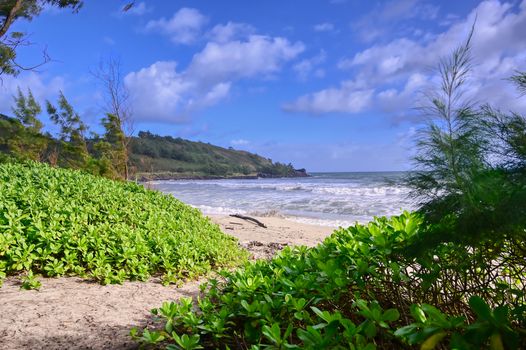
{"x":119,"y":121}
{"x":520,"y":81}
{"x":27,"y":110}
{"x":470,"y":168}
{"x":450,"y":147}
{"x":74,"y":151}
{"x":12,"y":10}
{"x":20,"y":142}
{"x":114,"y":147}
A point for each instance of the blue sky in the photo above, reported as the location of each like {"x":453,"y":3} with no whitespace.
{"x":329,"y":85}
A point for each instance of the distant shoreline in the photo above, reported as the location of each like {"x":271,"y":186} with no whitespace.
{"x":146,"y":177}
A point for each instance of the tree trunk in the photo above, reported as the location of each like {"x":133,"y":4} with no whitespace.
{"x":10,"y":17}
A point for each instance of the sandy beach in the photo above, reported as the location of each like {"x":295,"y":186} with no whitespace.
{"x":280,"y":232}
{"x":72,"y":313}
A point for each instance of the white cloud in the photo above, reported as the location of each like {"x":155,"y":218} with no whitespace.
{"x":306,"y":67}
{"x":158,"y":91}
{"x":394,"y":72}
{"x":257,"y":56}
{"x":344,"y":99}
{"x":324,"y":27}
{"x":385,"y":17}
{"x":217,"y":93}
{"x":162,"y":92}
{"x":41,"y":88}
{"x":223,"y":33}
{"x":183,"y":28}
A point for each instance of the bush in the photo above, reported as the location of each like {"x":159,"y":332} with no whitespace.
{"x":355,"y":290}
{"x":64,"y":222}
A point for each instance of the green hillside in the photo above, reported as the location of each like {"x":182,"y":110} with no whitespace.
{"x":167,"y":157}
{"x":150,"y":156}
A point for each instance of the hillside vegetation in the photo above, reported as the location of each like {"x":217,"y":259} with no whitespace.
{"x":63,"y":222}
{"x":149,"y":156}
{"x":167,"y":157}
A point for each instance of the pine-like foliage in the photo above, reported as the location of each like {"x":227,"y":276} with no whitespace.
{"x":73,"y":150}
{"x":27,"y":110}
{"x":470,"y":164}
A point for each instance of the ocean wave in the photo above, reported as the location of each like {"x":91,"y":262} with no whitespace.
{"x":206,"y":209}
{"x":362,"y":191}
{"x":267,"y":213}
{"x":324,"y":222}
{"x":330,"y":202}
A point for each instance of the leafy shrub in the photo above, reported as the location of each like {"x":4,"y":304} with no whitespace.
{"x":64,"y":222}
{"x":355,"y":290}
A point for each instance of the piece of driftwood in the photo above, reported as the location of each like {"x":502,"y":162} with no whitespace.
{"x":248,"y":218}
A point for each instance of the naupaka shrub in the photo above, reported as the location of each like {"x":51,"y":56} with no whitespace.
{"x":64,"y":222}
{"x":356,"y":290}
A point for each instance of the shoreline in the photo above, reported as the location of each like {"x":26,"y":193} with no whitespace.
{"x":146,"y":177}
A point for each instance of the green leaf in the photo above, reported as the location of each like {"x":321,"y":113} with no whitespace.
{"x":418,"y":314}
{"x":391,"y":315}
{"x":480,"y":308}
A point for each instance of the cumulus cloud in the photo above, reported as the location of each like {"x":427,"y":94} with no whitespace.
{"x":310,"y":66}
{"x":392,"y":73}
{"x":386,"y":17}
{"x":163,"y":92}
{"x":184,"y":27}
{"x":223,"y":33}
{"x":157,"y":89}
{"x":344,"y":99}
{"x":258,"y":55}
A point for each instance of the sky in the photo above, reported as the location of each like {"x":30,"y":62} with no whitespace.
{"x":327,"y":85}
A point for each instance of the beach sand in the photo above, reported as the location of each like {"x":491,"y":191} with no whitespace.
{"x":72,"y":313}
{"x":264,"y":242}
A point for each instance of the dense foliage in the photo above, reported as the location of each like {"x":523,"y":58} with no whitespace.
{"x":21,"y":142}
{"x":22,"y":138}
{"x":355,"y":290}
{"x":116,"y":156}
{"x":178,"y":158}
{"x":63,"y":222}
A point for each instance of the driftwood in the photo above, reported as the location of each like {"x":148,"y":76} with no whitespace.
{"x":248,"y":218}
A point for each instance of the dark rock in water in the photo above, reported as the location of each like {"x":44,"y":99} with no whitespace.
{"x":295,"y":173}
{"x":301,"y":172}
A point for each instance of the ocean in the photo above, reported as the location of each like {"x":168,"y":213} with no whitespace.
{"x":329,"y":199}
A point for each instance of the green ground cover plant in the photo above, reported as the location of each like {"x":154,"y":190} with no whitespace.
{"x":357,"y":290}
{"x":58,"y":222}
